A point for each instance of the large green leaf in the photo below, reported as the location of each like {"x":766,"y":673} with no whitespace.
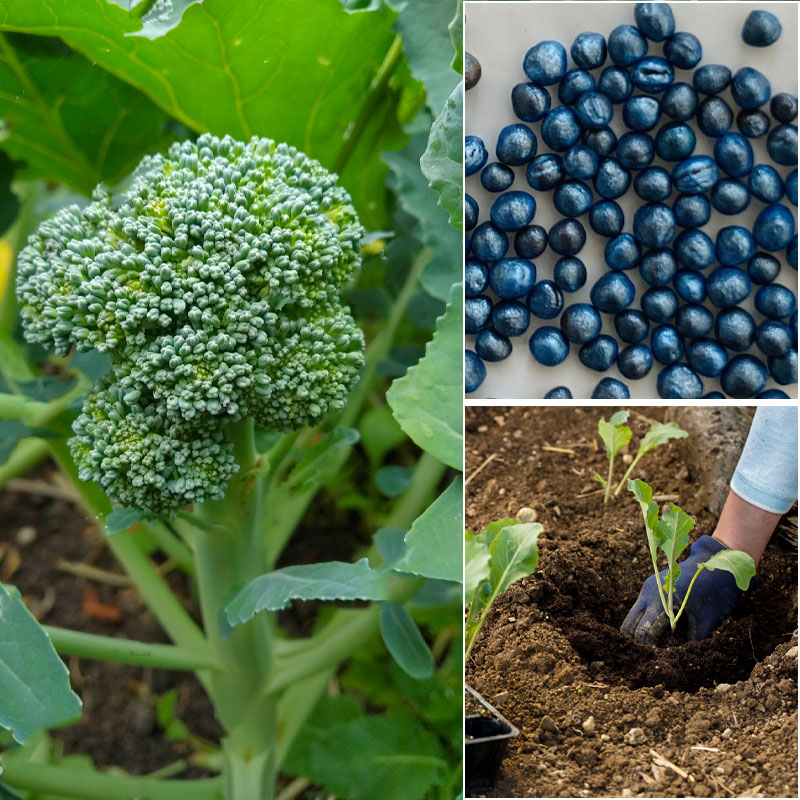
{"x":310,"y":74}
{"x":739,"y":564}
{"x":434,"y":543}
{"x":513,"y":555}
{"x":405,"y":642}
{"x":427,"y":400}
{"x":34,"y":682}
{"x":69,"y":120}
{"x":332,"y":580}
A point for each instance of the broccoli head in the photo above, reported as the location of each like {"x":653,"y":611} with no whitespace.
{"x":214,"y":284}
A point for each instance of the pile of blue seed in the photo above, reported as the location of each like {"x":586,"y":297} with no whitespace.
{"x":690,"y":314}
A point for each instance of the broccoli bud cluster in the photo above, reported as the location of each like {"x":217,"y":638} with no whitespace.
{"x":214,"y":284}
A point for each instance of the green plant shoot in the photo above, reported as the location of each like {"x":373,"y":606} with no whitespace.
{"x":670,"y":534}
{"x":615,"y":435}
{"x":658,"y":434}
{"x":494,"y":559}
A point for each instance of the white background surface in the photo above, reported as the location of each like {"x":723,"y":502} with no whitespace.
{"x":499,"y":34}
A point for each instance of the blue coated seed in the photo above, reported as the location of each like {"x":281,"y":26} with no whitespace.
{"x":791,"y":187}
{"x":569,"y":274}
{"x":581,"y":162}
{"x":652,"y":75}
{"x":763,"y":268}
{"x":654,"y":225}
{"x":561,"y":129}
{"x":489,"y":244}
{"x":635,"y":150}
{"x":679,"y":102}
{"x":683,"y":50}
{"x":631,"y":325}
{"x":589,"y":50}
{"x":635,"y":361}
{"x":706,"y":357}
{"x":475,"y":154}
{"x":773,"y":338}
{"x":761,"y":29}
{"x":471,"y":212}
{"x":782,"y":145}
{"x":548,"y":346}
{"x":612,"y":179}
{"x":530,"y":101}
{"x":679,"y":382}
{"x":516,"y":144}
{"x":727,"y":286}
{"x":613,"y":292}
{"x":666,"y":344}
{"x":675,"y":141}
{"x":559,"y":393}
{"x":734,"y":245}
{"x":744,"y":377}
{"x":659,"y":304}
{"x":711,"y":78}
{"x":603,"y":141}
{"x":653,"y":184}
{"x":654,"y":20}
{"x":694,"y":249}
{"x":567,"y":237}
{"x":492,"y":346}
{"x":580,"y":322}
{"x":477,"y":313}
{"x":572,"y":198}
{"x":496,"y":177}
{"x":626,"y":45}
{"x":784,"y":368}
{"x":691,"y":210}
{"x":733,"y":154}
{"x":774,"y":228}
{"x":775,"y":301}
{"x":512,"y":211}
{"x":749,"y":88}
{"x":693,"y":320}
{"x":641,"y":113}
{"x":545,"y":172}
{"x":714,"y":116}
{"x":600,"y":353}
{"x":690,"y":285}
{"x":765,"y":183}
{"x":573,"y":85}
{"x":730,"y":197}
{"x":545,"y":300}
{"x":772,"y":394}
{"x":474,"y":371}
{"x":606,"y":218}
{"x":615,"y":84}
{"x":610,"y":389}
{"x":530,"y":241}
{"x":512,"y":277}
{"x":658,"y":267}
{"x":752,"y":122}
{"x":545,"y":63}
{"x":622,"y":252}
{"x":783,"y":107}
{"x":594,"y":110}
{"x":735,"y":329}
{"x":695,"y":175}
{"x":476,"y":277}
{"x":510,"y":318}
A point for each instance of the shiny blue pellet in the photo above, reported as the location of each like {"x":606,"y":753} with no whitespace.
{"x":783,"y":369}
{"x":475,"y":154}
{"x":599,"y":353}
{"x":496,"y":177}
{"x":613,"y":292}
{"x":783,"y":107}
{"x":711,"y":78}
{"x":683,"y":50}
{"x":714,"y":116}
{"x":559,"y":393}
{"x":763,"y":268}
{"x":733,"y":154}
{"x":626,"y":45}
{"x":691,"y":210}
{"x":622,"y":252}
{"x":548,"y":346}
{"x":512,"y":211}
{"x":477,"y":313}
{"x":635,"y":361}
{"x":773,"y":338}
{"x":641,"y":113}
{"x":545,"y":63}
{"x":561,"y":129}
{"x":775,"y":301}
{"x":566,"y":237}
{"x":730,"y":197}
{"x":474,"y":371}
{"x":654,"y":225}
{"x":610,"y":389}
{"x":471,"y":212}
{"x":694,"y":249}
{"x":545,"y":172}
{"x":735,"y":329}
{"x":761,"y":28}
{"x":476,"y":277}
{"x":510,"y":318}
{"x":791,"y":187}
{"x":727,"y":286}
{"x":513,"y":277}
{"x":706,"y":357}
{"x":744,"y":377}
{"x":690,"y":285}
{"x":606,"y":218}
{"x":773,"y":228}
{"x":492,"y":346}
{"x":615,"y":84}
{"x":752,"y":122}
{"x":654,"y":20}
{"x":631,"y":325}
{"x":489,"y":244}
{"x":572,"y":199}
{"x":580,"y":323}
{"x":679,"y":102}
{"x":765,"y":183}
{"x":589,"y":50}
{"x":530,"y":241}
{"x":659,"y":304}
{"x":530,"y":101}
{"x":516,"y":144}
{"x":782,"y":145}
{"x":581,"y":162}
{"x":679,"y":382}
{"x":652,"y":74}
{"x":612,"y":179}
{"x":734,"y":245}
{"x":569,"y":274}
{"x":575,"y":83}
{"x":694,"y":321}
{"x":603,"y":141}
{"x":675,"y":141}
{"x":695,"y":175}
{"x":666,"y":344}
{"x":750,"y":88}
{"x":545,"y":300}
{"x":653,"y":184}
{"x":635,"y":150}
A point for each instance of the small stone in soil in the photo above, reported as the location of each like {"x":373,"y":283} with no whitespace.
{"x":635,"y":736}
{"x":26,"y":535}
{"x":500,"y":698}
{"x":722,"y":688}
{"x":547,"y":724}
{"x":588,"y":725}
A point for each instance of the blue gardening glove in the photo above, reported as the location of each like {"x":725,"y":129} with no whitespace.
{"x":713,"y":599}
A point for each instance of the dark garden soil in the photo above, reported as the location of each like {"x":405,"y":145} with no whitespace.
{"x":599,"y":714}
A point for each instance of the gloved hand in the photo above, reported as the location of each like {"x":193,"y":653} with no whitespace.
{"x":713,"y":598}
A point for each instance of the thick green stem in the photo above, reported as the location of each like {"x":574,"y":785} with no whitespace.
{"x":52,"y":779}
{"x":25,"y":456}
{"x":169,"y":544}
{"x":125,"y":651}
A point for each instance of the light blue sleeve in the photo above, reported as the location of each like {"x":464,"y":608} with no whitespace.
{"x":766,"y":475}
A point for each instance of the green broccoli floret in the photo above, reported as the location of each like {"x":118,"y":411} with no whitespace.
{"x":214,"y":284}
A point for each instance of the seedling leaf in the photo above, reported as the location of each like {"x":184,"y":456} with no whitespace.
{"x":476,"y":565}
{"x":513,"y":555}
{"x":404,"y":641}
{"x":602,"y":481}
{"x":620,"y":417}
{"x":614,"y":435}
{"x":659,"y":434}
{"x":739,"y":564}
{"x":672,"y":532}
{"x":487,"y":536}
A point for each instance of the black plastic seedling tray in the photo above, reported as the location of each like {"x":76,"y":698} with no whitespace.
{"x":486,"y":740}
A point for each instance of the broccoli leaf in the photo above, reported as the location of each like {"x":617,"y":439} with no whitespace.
{"x":322,"y":456}
{"x":644,"y":494}
{"x":659,"y":434}
{"x":34,"y":682}
{"x":392,"y":481}
{"x":404,"y":641}
{"x":514,"y":555}
{"x":476,"y":564}
{"x":120,"y":519}
{"x":614,"y":434}
{"x":739,"y":564}
{"x":162,"y":17}
{"x":672,"y":533}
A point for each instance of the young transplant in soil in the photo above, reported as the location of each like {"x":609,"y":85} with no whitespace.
{"x":670,"y":534}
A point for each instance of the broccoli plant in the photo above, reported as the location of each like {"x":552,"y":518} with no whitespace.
{"x":494,"y":559}
{"x":669,"y":533}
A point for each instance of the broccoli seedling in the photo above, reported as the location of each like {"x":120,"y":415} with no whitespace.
{"x":494,"y":559}
{"x":670,"y":534}
{"x":658,"y":434}
{"x":615,"y":435}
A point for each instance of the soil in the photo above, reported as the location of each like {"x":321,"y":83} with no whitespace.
{"x":599,"y":714}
